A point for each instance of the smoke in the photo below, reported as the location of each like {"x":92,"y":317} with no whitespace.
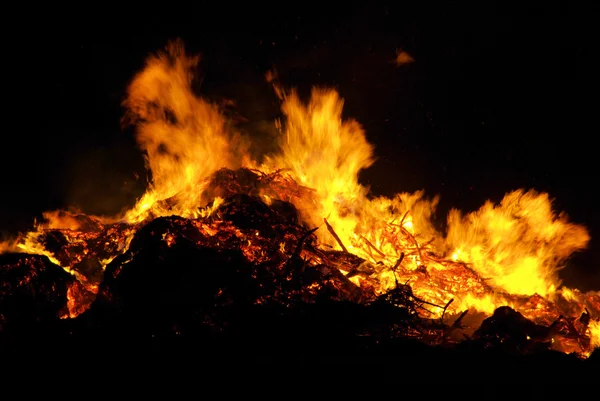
{"x":105,"y":181}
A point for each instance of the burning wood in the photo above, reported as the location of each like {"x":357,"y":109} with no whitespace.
{"x":215,"y":251}
{"x":247,"y":256}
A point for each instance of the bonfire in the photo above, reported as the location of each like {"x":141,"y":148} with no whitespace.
{"x":219,"y":231}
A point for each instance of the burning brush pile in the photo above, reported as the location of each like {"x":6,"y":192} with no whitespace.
{"x":287,"y":252}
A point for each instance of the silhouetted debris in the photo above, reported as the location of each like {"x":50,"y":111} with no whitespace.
{"x":509,"y":330}
{"x":32,"y":290}
{"x":247,"y":280}
{"x":247,"y":212}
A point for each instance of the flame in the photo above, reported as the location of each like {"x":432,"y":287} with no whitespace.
{"x":519,"y":244}
{"x":402,"y":58}
{"x":78,"y":299}
{"x":516,"y":246}
{"x":594,"y":329}
{"x":325,"y":153}
{"x":184,"y":137}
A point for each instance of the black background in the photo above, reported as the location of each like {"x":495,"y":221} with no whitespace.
{"x":499,"y":98}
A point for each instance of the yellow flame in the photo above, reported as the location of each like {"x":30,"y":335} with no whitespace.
{"x":519,"y":244}
{"x":487,"y":303}
{"x":594,"y":328}
{"x":325,"y":153}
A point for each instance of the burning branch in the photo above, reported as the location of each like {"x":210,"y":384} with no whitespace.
{"x":395,"y":267}
{"x":295,"y":257}
{"x":403,"y":217}
{"x":372,"y":246}
{"x":414,"y":240}
{"x":409,"y":235}
{"x":331,"y":230}
{"x":403,"y":295}
{"x":446,"y":307}
{"x":398,"y":262}
{"x":457,"y":322}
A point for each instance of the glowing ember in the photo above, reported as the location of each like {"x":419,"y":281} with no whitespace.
{"x":501,"y":255}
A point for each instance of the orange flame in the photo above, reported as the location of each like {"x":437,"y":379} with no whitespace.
{"x":595,"y":333}
{"x":184,"y":137}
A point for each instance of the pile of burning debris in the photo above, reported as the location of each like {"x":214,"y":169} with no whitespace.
{"x":249,"y":279}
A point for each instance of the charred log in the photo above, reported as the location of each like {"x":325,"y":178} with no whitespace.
{"x":510,"y":331}
{"x":247,"y":212}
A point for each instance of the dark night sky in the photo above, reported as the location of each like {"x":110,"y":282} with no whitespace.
{"x":498,"y":98}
